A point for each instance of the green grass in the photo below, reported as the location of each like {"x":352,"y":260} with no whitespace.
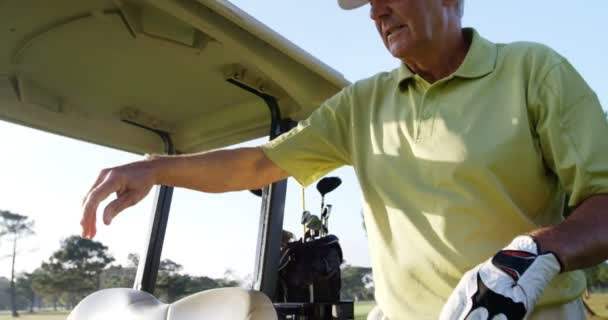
{"x":363,"y":308}
{"x":24,"y":315}
{"x":361,"y":311}
{"x":597,"y":302}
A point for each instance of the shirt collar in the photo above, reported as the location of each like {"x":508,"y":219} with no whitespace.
{"x":481,"y":58}
{"x":478,"y":62}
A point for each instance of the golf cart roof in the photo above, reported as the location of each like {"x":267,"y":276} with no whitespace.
{"x":104,"y":70}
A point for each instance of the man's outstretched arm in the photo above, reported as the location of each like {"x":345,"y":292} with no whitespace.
{"x":217,"y":171}
{"x":581,"y":241}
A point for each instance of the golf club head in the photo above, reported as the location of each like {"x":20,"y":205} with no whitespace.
{"x":326,"y":212}
{"x":310,"y":235}
{"x":314,"y":223}
{"x":325,"y":218}
{"x":305,"y":217}
{"x":287,"y":237}
{"x":328,"y":184}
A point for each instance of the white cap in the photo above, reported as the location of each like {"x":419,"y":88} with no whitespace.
{"x":351,"y":4}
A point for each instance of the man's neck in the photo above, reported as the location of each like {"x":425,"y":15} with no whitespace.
{"x":442,"y":60}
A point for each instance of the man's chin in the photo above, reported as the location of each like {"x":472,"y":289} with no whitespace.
{"x":399,"y":53}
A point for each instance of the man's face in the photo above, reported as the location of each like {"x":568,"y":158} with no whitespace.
{"x":408,"y":27}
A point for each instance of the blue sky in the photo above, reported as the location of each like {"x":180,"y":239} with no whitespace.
{"x":45,"y":176}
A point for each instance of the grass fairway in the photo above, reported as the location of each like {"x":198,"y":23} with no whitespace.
{"x":597,"y":302}
{"x":362,"y":308}
{"x":361,"y":311}
{"x":35,"y":316}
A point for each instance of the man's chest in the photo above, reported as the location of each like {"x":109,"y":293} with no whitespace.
{"x":442,"y":141}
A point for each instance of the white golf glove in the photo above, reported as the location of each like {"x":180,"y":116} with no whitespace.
{"x":505,"y":287}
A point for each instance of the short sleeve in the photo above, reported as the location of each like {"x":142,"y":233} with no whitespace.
{"x":316,"y":145}
{"x":573,"y":132}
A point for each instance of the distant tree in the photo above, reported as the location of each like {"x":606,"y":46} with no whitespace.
{"x":25,"y":290}
{"x":169,"y":266}
{"x":356,"y":283}
{"x":230,"y":279}
{"x":133,"y":260}
{"x":84,"y":257}
{"x":170,"y":285}
{"x":597,"y":277}
{"x":75,"y":269}
{"x":118,"y":277}
{"x":202,"y":283}
{"x":14,"y":226}
{"x":5,"y":299}
{"x":48,"y":283}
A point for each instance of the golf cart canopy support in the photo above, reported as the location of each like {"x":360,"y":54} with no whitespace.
{"x":147,"y":270}
{"x":273,"y":206}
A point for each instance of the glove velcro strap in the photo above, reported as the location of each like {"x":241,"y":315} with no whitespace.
{"x":513,"y":262}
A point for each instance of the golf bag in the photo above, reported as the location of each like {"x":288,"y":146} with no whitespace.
{"x":310,"y":270}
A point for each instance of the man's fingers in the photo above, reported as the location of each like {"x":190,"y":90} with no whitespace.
{"x":500,"y":317}
{"x":101,"y":177}
{"x":108,"y":186}
{"x":478,"y":314}
{"x":123,"y":201}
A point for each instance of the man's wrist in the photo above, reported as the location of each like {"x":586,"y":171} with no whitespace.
{"x":157,"y":164}
{"x":545,"y":245}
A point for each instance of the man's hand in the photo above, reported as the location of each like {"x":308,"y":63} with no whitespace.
{"x":215,"y":171}
{"x":131,"y":183}
{"x":506,"y":287}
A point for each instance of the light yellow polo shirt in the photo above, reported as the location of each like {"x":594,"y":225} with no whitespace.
{"x":452,"y":172}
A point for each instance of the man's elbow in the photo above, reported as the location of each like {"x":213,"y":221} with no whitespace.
{"x":266,"y":171}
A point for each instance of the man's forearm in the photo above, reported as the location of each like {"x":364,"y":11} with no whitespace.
{"x":580,"y":241}
{"x":218,"y":171}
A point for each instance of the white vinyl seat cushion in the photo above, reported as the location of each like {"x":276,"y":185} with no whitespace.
{"x":129,"y":304}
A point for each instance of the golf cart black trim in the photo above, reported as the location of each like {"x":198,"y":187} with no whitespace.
{"x":147,"y":270}
{"x":271,"y":215}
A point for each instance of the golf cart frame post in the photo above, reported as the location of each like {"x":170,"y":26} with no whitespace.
{"x":147,"y":270}
{"x":271,"y":215}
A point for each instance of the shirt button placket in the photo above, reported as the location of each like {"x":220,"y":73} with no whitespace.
{"x":425,"y":118}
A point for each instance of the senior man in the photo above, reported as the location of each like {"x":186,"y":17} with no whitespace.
{"x":466,"y":148}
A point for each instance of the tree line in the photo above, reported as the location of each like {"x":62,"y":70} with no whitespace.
{"x":82,"y":266}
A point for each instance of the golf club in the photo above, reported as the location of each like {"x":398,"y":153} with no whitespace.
{"x":327,"y":185}
{"x":325,"y":218}
{"x":305,"y":217}
{"x":312,"y":227}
